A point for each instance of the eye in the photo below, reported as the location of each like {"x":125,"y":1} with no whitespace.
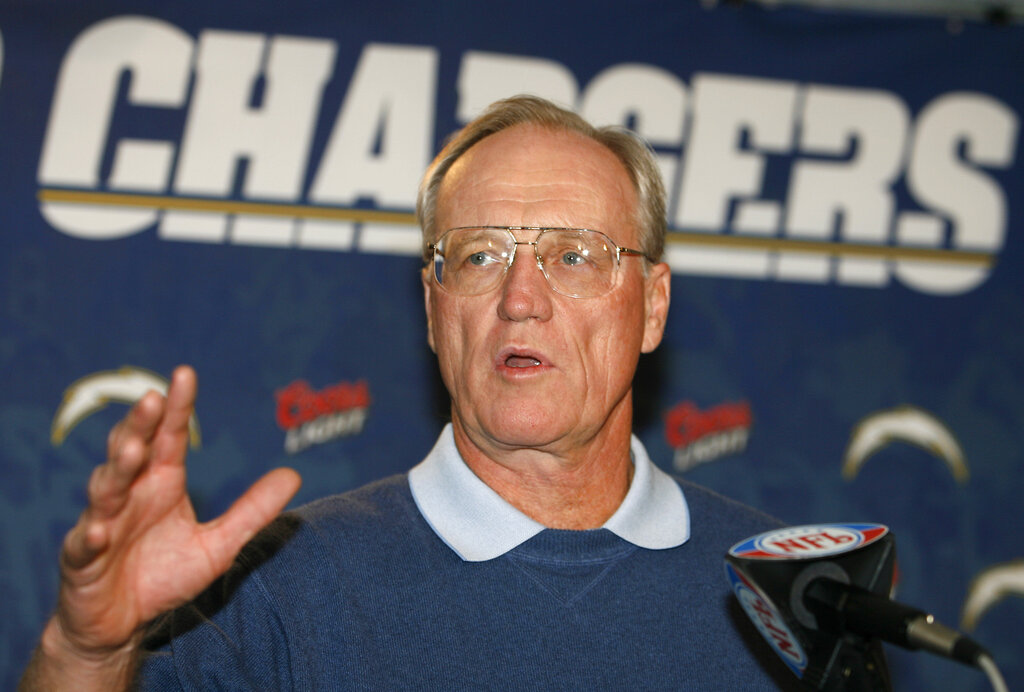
{"x":480,"y":259}
{"x":573,"y":258}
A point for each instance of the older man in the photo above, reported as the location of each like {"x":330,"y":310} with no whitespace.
{"x":536,"y":547}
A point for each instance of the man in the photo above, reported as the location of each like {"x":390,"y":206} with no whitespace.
{"x":536,"y":547}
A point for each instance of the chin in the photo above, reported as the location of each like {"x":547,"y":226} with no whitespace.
{"x":533,"y":428}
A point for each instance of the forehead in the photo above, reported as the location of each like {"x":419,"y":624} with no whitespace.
{"x":529,"y":175}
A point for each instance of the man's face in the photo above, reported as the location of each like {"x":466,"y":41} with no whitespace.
{"x":525,"y":366}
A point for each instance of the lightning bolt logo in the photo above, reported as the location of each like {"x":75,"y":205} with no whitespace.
{"x":990,"y":586}
{"x":903,"y":424}
{"x":94,"y":392}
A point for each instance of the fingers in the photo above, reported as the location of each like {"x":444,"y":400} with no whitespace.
{"x":263,"y":501}
{"x":153,"y":422}
{"x":181,"y":399}
{"x":170,"y":440}
{"x":84,"y":543}
{"x":140,"y":422}
{"x":156,"y":427}
{"x":110,"y":482}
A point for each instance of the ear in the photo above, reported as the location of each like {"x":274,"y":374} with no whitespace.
{"x":657,"y":290}
{"x":428,"y":287}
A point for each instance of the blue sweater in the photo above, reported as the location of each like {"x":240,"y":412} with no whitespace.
{"x":357,"y":592}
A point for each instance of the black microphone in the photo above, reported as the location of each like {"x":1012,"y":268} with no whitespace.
{"x":860,"y":611}
{"x":820,"y":595}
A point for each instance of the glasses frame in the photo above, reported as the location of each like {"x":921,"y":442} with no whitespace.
{"x":541,"y":230}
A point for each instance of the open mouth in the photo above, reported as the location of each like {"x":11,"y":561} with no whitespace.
{"x":520,"y":358}
{"x":517,"y":361}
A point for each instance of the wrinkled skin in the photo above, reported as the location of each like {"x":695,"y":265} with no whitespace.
{"x":556,"y":430}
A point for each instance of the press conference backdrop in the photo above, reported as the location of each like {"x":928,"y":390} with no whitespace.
{"x":233,"y":187}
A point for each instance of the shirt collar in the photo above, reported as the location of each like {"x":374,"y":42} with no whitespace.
{"x":478,"y":524}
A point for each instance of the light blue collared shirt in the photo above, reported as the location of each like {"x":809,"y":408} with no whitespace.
{"x":479,"y":524}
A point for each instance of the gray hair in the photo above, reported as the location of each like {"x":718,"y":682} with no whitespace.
{"x":634,"y":153}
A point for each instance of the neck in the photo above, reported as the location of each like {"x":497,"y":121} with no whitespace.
{"x":575,"y":489}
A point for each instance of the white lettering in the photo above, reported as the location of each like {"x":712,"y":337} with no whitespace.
{"x":954,"y":135}
{"x":383,"y":138}
{"x":486,"y":77}
{"x":325,"y":429}
{"x":224,"y":126}
{"x":735,"y":121}
{"x":155,"y":56}
{"x":711,"y":447}
{"x":864,"y":134}
{"x":649,"y":100}
{"x":257,"y":99}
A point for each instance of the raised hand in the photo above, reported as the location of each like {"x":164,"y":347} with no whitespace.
{"x":137,"y":549}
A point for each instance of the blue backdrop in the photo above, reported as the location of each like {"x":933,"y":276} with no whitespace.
{"x":194,"y":182}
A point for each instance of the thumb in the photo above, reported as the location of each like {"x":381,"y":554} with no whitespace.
{"x":257,"y":507}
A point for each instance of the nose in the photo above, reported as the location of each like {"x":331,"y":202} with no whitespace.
{"x":524,"y":291}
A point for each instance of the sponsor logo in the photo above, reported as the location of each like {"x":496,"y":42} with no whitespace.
{"x":807,"y":542}
{"x":768,"y":620}
{"x":868,"y":192}
{"x":702,"y":436}
{"x":94,"y":392}
{"x":310,"y":418}
{"x":903,"y":424}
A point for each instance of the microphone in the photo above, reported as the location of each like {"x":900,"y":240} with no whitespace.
{"x":860,"y":611}
{"x":820,"y":595}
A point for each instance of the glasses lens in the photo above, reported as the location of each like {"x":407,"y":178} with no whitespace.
{"x":577,"y":263}
{"x":470,"y":261}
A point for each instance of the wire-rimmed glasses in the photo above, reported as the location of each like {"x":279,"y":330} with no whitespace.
{"x":577,"y":262}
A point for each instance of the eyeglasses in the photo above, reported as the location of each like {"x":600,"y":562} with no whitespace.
{"x":577,"y":262}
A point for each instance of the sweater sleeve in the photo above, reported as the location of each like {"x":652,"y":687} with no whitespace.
{"x":230,"y":637}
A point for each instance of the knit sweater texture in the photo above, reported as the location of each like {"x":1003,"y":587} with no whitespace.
{"x":357,"y":592}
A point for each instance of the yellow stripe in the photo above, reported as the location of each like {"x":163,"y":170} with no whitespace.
{"x":714,"y":240}
{"x":883,"y":252}
{"x":225,"y":206}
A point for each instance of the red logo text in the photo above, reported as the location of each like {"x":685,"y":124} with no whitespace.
{"x":702,"y":436}
{"x":313,"y":417}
